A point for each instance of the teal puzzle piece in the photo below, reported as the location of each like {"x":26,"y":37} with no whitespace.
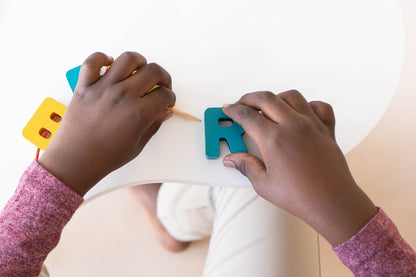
{"x":72,"y":77}
{"x":214,"y":133}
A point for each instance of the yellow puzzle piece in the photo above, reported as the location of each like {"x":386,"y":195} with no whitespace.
{"x":45,"y":122}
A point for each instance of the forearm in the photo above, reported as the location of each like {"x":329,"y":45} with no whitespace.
{"x":378,"y":250}
{"x":32,"y":221}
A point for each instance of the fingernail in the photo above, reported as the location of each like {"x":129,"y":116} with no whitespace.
{"x":229,"y":163}
{"x":225,"y":106}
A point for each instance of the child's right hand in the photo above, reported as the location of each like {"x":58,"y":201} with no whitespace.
{"x":304,"y":170}
{"x":109,"y":119}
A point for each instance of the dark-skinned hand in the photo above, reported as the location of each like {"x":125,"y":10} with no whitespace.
{"x":109,"y":120}
{"x":303,"y":170}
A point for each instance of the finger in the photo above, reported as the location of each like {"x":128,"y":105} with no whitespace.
{"x":123,"y":67}
{"x":325,"y":113}
{"x":268,"y":103}
{"x":250,"y":166}
{"x":154,"y":127}
{"x":154,"y":103}
{"x":296,"y":100}
{"x":257,"y":126}
{"x":148,"y":76}
{"x":90,"y":69}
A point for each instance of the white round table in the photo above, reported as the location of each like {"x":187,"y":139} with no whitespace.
{"x":347,"y":53}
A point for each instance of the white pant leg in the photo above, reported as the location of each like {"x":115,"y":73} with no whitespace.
{"x":187,"y":211}
{"x":252,"y":237}
{"x":44,"y":272}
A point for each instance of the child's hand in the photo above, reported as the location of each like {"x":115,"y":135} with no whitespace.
{"x":304,"y":170}
{"x":109,"y":119}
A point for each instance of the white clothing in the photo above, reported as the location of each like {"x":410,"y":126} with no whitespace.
{"x":249,"y":236}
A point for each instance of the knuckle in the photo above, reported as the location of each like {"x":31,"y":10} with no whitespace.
{"x":325,"y":110}
{"x":128,"y":54}
{"x":90,"y":61}
{"x":131,"y":55}
{"x":172,"y":96}
{"x":168,"y":78}
{"x":96,"y":55}
{"x":88,"y":65}
{"x":316,"y":103}
{"x":244,"y":112}
{"x":157,"y":70}
{"x":265,"y":95}
{"x":294,"y":92}
{"x":321,"y":105}
{"x":154,"y":68}
{"x":93,"y":60}
{"x":167,"y":96}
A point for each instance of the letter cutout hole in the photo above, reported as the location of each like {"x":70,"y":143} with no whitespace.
{"x":47,"y":119}
{"x":214,"y":133}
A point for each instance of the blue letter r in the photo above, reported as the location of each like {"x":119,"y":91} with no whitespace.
{"x":214,"y":133}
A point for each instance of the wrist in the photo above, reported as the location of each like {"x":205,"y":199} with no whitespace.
{"x":343,"y":216}
{"x":69,"y":170}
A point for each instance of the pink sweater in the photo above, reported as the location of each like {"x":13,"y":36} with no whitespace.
{"x":32,"y":221}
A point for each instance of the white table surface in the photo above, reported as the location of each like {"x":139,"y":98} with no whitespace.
{"x":347,"y":53}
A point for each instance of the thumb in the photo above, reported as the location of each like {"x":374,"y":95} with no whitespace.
{"x":250,"y":166}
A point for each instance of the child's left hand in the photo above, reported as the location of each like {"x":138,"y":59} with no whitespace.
{"x":109,"y":120}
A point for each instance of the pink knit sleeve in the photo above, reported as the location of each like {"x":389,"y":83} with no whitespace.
{"x":32,"y":221}
{"x":378,"y":250}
